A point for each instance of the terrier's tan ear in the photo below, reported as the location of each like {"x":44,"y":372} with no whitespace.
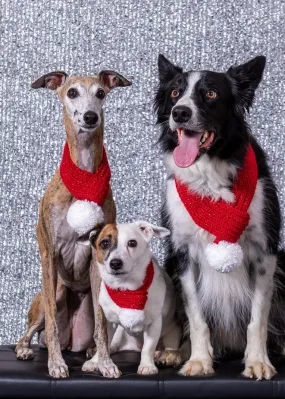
{"x":52,"y":80}
{"x":90,"y":238}
{"x":113,"y":79}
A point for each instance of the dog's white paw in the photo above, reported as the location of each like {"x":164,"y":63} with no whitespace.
{"x":107,"y":368}
{"x":259,"y":370}
{"x":58,"y":369}
{"x":24,"y":353}
{"x":147,"y":369}
{"x":197,"y":367}
{"x":168,"y":358}
{"x":90,"y":365}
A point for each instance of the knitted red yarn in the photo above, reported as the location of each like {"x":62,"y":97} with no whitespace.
{"x":84,"y":185}
{"x":225,"y":221}
{"x":133,"y":299}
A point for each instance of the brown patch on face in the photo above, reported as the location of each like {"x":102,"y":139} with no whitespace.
{"x":85,"y":81}
{"x":109,"y":233}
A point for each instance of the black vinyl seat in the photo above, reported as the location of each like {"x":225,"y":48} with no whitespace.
{"x":30,"y":379}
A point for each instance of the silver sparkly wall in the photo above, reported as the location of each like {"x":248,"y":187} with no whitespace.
{"x":81,"y":37}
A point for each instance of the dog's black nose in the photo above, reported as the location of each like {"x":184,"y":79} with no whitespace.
{"x":181,"y":114}
{"x":90,"y":118}
{"x":116,"y":264}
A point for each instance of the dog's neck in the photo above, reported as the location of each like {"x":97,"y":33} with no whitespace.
{"x":86,"y":149}
{"x":207,"y":177}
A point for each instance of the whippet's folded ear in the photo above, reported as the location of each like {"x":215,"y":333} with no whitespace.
{"x":113,"y":79}
{"x":149,"y":230}
{"x":52,"y":80}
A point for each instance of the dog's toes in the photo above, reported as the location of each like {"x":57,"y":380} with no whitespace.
{"x":24,"y":353}
{"x":259,"y":370}
{"x":110,"y":371}
{"x":197,"y":367}
{"x":90,"y":366}
{"x":168,"y":358}
{"x":147,"y":369}
{"x":58,"y":369}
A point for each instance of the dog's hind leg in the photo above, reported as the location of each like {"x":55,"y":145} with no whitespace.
{"x":171,"y":355}
{"x":257,"y":363}
{"x":36,"y":318}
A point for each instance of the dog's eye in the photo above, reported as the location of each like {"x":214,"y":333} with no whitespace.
{"x":72,"y":93}
{"x":100,"y":94}
{"x":104,"y":244}
{"x":132,"y":243}
{"x":174,"y":93}
{"x":211,"y":94}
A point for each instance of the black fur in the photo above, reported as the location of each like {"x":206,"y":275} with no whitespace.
{"x":226,"y":116}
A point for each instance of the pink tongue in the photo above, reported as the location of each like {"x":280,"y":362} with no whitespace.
{"x":186,"y":153}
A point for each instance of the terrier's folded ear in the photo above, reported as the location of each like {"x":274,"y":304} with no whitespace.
{"x":149,"y":230}
{"x":113,"y":79}
{"x":52,"y":80}
{"x":89,"y":239}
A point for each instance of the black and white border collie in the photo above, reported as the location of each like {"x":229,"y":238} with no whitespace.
{"x":204,"y":113}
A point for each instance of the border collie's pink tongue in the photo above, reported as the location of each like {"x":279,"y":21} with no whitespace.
{"x":186,"y":152}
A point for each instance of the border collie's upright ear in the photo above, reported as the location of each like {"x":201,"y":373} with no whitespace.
{"x":246,"y":79}
{"x":167,"y":70}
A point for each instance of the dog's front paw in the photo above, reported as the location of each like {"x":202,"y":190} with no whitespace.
{"x":107,"y":368}
{"x":197,"y":367}
{"x":147,"y":369}
{"x":24,"y":353}
{"x":168,"y":358}
{"x":259,"y":370}
{"x":58,"y":369}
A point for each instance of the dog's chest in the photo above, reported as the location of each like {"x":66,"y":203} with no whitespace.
{"x":74,"y":258}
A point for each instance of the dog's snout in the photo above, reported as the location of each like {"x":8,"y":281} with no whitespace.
{"x":90,"y":118}
{"x":116,"y":264}
{"x":181,"y":114}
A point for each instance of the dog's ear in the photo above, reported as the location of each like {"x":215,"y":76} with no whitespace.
{"x":246,"y":78}
{"x":149,"y":230}
{"x":166,"y":70}
{"x":52,"y":80}
{"x":90,"y":238}
{"x":113,"y":79}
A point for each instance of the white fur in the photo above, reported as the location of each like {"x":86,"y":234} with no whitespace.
{"x":224,"y":256}
{"x":157,"y":319}
{"x":82,"y":216}
{"x":187,"y":100}
{"x":226,"y":299}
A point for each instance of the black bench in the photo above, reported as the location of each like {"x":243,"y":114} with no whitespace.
{"x":30,"y":379}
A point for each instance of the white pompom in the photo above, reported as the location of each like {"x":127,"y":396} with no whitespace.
{"x":131,"y":317}
{"x":224,"y":256}
{"x":82,"y":216}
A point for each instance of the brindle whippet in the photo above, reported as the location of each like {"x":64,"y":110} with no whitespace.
{"x":63,"y":312}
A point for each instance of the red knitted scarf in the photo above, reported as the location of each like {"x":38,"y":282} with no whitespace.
{"x":133,"y":299}
{"x":223,"y":220}
{"x":84,"y":185}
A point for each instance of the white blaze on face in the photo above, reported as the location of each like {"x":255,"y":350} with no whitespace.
{"x":84,"y":102}
{"x":187,"y":99}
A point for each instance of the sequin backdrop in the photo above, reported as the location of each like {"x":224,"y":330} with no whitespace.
{"x":82,"y":37}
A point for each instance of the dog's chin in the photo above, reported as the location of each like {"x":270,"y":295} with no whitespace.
{"x":191,"y":145}
{"x":117,"y":273}
{"x":87,"y":129}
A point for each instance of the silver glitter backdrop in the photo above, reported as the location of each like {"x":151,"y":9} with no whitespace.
{"x":82,"y":37}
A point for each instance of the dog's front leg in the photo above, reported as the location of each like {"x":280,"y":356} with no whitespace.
{"x":101,"y":360}
{"x":201,"y":359}
{"x":257,"y":363}
{"x":56,"y":364}
{"x":151,"y":336}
